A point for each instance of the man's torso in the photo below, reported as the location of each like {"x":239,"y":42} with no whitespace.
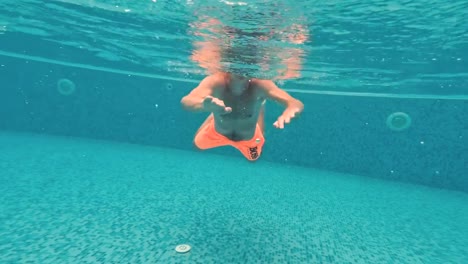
{"x":241,"y":123}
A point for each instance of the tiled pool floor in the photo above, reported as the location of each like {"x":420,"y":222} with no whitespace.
{"x":67,"y":200}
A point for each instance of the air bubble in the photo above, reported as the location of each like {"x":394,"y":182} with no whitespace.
{"x":66,"y":87}
{"x":398,"y":121}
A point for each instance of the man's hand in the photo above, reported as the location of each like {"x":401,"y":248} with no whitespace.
{"x":215,"y":105}
{"x":288,"y":114}
{"x":292,"y":106}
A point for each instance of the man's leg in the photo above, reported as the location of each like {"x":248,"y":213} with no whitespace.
{"x":261,"y":118}
{"x":207,"y":120}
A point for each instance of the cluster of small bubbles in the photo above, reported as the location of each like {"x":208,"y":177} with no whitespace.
{"x":26,"y":101}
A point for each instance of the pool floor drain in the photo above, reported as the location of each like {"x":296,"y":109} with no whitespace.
{"x":183,"y":248}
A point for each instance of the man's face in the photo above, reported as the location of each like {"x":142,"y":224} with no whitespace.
{"x":238,"y":84}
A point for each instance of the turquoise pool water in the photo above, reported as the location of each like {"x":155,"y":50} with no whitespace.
{"x":96,"y":156}
{"x":68,"y":200}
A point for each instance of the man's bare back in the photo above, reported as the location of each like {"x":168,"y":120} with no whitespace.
{"x":236,"y":104}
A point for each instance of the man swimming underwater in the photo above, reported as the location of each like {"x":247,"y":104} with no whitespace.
{"x":236,"y":104}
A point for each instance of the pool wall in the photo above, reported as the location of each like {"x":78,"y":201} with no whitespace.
{"x":339,"y":133}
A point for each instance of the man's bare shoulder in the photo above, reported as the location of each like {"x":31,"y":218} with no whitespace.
{"x":217,"y":79}
{"x":262,"y":85}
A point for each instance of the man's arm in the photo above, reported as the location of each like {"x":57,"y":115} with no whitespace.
{"x":194,"y":100}
{"x":201,"y":98}
{"x":293,"y":107}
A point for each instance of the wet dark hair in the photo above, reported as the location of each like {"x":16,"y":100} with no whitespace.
{"x":247,"y":73}
{"x":240,"y":60}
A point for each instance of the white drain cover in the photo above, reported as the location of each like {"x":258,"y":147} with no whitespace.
{"x":183,"y":248}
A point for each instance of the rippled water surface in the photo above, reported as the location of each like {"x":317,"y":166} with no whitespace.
{"x":359,"y":46}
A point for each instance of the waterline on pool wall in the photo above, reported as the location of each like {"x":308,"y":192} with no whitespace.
{"x":196,"y":81}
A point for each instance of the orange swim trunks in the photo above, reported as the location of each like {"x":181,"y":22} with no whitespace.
{"x":207,"y":137}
